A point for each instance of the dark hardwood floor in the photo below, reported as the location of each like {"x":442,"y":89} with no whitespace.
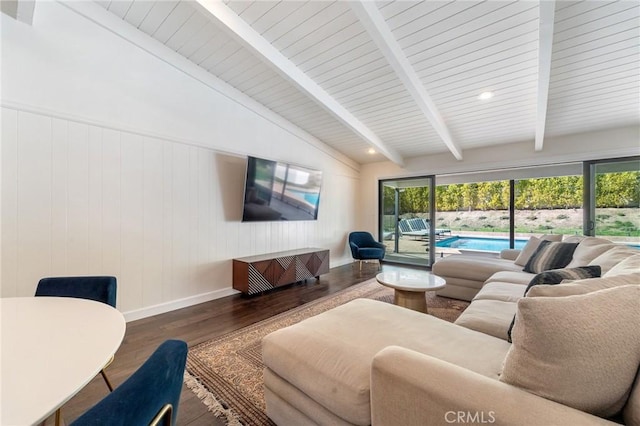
{"x":205,"y":321}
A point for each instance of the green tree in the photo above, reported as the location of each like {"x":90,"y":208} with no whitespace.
{"x":612,"y":190}
{"x":620,"y":189}
{"x":469,"y":196}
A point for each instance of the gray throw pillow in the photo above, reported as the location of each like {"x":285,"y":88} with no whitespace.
{"x":556,"y":276}
{"x":550,"y":255}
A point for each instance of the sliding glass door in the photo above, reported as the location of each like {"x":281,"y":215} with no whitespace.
{"x":485,"y":212}
{"x":406,"y":214}
{"x":613,"y":188}
{"x":472,"y":217}
{"x":547,"y":205}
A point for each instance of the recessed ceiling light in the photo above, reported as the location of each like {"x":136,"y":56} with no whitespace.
{"x":485,"y":95}
{"x":371,"y":151}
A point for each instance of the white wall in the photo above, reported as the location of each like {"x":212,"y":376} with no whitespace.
{"x":620,"y":142}
{"x":117,"y":161}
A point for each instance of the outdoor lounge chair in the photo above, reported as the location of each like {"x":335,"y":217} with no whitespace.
{"x":439,"y":231}
{"x":419,"y":228}
{"x":418,"y":224}
{"x":406,"y":229}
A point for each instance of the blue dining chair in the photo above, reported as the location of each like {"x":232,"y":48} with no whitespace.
{"x":150,"y":396}
{"x":365,"y":247}
{"x":99,"y":288}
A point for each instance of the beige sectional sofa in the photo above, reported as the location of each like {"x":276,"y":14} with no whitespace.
{"x":495,"y":304}
{"x":467,"y":273}
{"x":369,"y":362}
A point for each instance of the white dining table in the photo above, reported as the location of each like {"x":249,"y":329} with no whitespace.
{"x":50,"y":348}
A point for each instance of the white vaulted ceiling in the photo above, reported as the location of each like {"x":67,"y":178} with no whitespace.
{"x":404,"y":77}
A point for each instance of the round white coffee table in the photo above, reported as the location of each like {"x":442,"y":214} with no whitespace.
{"x":410,"y":287}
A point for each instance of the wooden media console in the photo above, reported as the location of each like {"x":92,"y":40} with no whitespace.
{"x":255,"y":274}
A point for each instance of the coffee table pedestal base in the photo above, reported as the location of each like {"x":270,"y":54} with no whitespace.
{"x":415,"y":300}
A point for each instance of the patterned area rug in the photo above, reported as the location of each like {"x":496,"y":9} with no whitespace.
{"x":226,"y":372}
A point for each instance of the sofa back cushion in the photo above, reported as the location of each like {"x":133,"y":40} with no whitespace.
{"x":574,"y":238}
{"x":581,"y":351}
{"x":588,"y":249}
{"x":612,"y":257}
{"x":550,"y":255}
{"x":628,"y":266}
{"x":584,"y":286}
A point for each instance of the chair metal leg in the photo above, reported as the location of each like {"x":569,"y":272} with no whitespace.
{"x":360,"y":265}
{"x":106,"y":380}
{"x":165,"y":415}
{"x":104,"y":374}
{"x":57,"y":420}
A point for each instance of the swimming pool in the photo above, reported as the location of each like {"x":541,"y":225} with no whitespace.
{"x":488,"y":244}
{"x":480,"y":243}
{"x":309,"y":197}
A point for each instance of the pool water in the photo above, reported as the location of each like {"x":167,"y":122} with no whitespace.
{"x":309,"y":197}
{"x":480,"y":243}
{"x":489,"y":244}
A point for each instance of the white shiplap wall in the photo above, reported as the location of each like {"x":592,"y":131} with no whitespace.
{"x":88,"y":189}
{"x":162,"y":217}
{"x":90,"y":200}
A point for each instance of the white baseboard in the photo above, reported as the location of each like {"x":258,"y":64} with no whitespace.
{"x":192,"y":300}
{"x":177,"y":304}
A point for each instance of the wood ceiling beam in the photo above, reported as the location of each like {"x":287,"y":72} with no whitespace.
{"x":226,"y":19}
{"x":545,"y":46}
{"x":375,"y":24}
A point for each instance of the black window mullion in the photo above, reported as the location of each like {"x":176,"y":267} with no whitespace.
{"x":512,"y":213}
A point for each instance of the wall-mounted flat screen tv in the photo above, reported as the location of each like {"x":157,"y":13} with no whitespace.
{"x":280,"y":191}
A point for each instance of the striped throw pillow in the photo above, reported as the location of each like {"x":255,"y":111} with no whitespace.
{"x":550,"y":255}
{"x":556,"y":276}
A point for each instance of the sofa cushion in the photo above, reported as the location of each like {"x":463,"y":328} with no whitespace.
{"x":584,"y":286}
{"x":588,"y":249}
{"x":504,"y":291}
{"x":629,"y":265}
{"x":510,"y":254}
{"x":476,"y":268}
{"x":515,"y":277}
{"x":532,"y":246}
{"x":612,"y":257}
{"x":556,"y":276}
{"x":328,"y":357}
{"x":582,"y":351}
{"x":574,"y":238}
{"x":631,"y":411}
{"x":490,"y":317}
{"x":550,"y":255}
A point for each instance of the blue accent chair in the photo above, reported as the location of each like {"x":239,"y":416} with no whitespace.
{"x":99,"y":288}
{"x":365,"y":247}
{"x":150,"y":396}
